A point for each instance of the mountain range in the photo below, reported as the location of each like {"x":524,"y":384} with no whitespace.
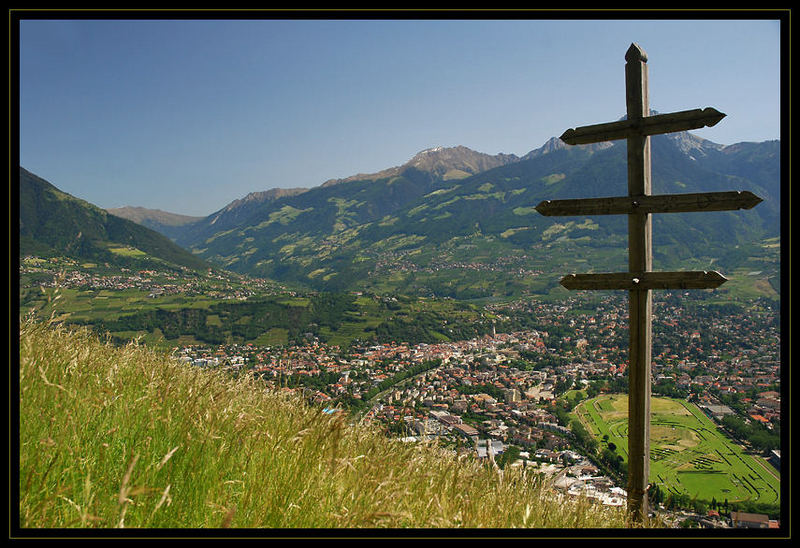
{"x":455,"y":222}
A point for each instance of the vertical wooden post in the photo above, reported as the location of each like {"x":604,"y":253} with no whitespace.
{"x":640,"y":260}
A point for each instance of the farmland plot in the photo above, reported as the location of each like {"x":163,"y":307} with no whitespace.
{"x":688,"y":453}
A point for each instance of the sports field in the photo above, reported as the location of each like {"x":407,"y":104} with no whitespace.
{"x":688,"y":453}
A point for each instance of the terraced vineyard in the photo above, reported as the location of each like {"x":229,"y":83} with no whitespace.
{"x":688,"y":454}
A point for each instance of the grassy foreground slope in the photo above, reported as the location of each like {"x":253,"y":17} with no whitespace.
{"x":125,"y":437}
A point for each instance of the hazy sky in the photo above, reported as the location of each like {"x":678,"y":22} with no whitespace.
{"x":188,"y":115}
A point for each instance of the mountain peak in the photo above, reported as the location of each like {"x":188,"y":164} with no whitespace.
{"x":441,"y":162}
{"x":554,"y":144}
{"x":430,"y":150}
{"x":264,"y":196}
{"x":147,"y":217}
{"x":457,"y":162}
{"x":692,"y":144}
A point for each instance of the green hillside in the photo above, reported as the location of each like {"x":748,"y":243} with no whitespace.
{"x":52,"y":222}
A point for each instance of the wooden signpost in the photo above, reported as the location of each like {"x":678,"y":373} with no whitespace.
{"x":640,"y":279}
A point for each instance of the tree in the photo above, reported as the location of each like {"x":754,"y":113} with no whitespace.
{"x":509,"y":456}
{"x":582,"y":436}
{"x":656,"y":494}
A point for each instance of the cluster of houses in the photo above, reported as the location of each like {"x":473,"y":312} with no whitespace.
{"x":69,"y":273}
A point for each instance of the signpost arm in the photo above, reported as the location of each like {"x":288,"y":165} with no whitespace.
{"x":640,"y":260}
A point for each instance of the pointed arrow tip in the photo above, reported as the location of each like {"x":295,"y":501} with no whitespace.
{"x":567,"y":136}
{"x":750,"y":200}
{"x":714,"y":116}
{"x":716,"y":277}
{"x":567,"y":281}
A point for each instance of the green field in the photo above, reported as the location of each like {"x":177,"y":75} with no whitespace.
{"x":688,"y":453}
{"x":170,"y":320}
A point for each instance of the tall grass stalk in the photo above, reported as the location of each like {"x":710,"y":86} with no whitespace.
{"x":116,"y":437}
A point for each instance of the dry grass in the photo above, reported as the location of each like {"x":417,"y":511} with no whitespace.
{"x":125,"y":437}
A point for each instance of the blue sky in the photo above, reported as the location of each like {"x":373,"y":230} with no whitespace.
{"x":188,"y":115}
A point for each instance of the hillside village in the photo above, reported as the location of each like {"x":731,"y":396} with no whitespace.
{"x":158,"y":281}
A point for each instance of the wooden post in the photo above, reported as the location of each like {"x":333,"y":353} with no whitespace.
{"x":639,"y":205}
{"x":640,"y":260}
